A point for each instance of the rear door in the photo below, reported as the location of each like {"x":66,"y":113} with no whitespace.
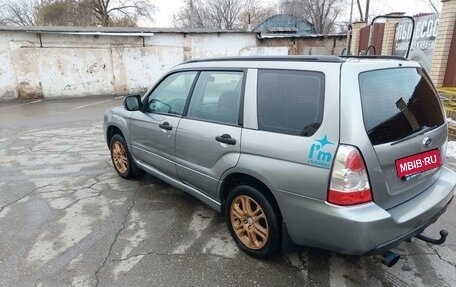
{"x":153,"y":130}
{"x":405,"y":127}
{"x":209,"y":137}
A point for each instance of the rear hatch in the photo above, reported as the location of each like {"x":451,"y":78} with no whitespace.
{"x":406,"y":127}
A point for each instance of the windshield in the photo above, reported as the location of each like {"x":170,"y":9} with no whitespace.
{"x":397,"y":103}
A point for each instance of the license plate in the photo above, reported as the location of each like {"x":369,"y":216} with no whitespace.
{"x":418,"y":163}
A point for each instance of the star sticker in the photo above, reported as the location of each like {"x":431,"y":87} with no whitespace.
{"x":324,"y":141}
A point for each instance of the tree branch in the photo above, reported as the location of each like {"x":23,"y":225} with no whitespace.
{"x":361,"y":17}
{"x":120,"y":9}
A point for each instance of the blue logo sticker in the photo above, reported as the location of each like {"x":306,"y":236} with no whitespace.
{"x":317,"y":155}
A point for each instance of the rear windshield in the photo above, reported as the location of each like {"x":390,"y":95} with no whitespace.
{"x":397,"y":103}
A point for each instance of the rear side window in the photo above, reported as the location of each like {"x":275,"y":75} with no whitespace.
{"x":290,"y":102}
{"x":397,"y":103}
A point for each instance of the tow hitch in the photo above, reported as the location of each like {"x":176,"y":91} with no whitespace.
{"x":441,"y":240}
{"x":390,"y":258}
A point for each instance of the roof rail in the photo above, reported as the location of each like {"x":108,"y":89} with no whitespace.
{"x":328,"y":59}
{"x":375,"y":57}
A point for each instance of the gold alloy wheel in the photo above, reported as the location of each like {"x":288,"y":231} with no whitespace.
{"x":119,"y":156}
{"x":249,"y":222}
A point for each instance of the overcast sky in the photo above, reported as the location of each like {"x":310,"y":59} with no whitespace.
{"x":378,"y":7}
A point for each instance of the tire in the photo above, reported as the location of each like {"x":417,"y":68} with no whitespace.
{"x":253,"y":221}
{"x":122,"y":160}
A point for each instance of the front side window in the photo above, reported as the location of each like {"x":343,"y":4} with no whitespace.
{"x":216,"y":97}
{"x":290,"y":102}
{"x":170,"y":95}
{"x":397,"y":103}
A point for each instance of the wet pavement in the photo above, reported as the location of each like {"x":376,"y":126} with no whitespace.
{"x":67,"y":219}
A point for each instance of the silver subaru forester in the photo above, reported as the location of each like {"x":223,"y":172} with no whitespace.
{"x":344,"y":154}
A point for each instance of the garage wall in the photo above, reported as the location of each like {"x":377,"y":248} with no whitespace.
{"x":82,"y":65}
{"x":310,"y":45}
{"x":8,"y":81}
{"x":66,"y":65}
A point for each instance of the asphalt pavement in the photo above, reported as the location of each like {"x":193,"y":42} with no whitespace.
{"x":67,"y":219}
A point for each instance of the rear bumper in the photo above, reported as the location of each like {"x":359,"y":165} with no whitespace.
{"x":364,"y":229}
{"x":396,"y":241}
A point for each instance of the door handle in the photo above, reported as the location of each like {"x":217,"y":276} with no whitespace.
{"x":166,"y":126}
{"x":226,"y":138}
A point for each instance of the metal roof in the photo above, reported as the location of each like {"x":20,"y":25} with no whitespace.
{"x":92,"y":30}
{"x":282,"y":29}
{"x":286,"y":35}
{"x":144,"y":32}
{"x":125,"y":34}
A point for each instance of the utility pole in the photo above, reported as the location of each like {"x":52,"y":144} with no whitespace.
{"x":366,"y":15}
{"x":348,"y":47}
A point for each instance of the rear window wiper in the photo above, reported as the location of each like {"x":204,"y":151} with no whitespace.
{"x":415,"y":134}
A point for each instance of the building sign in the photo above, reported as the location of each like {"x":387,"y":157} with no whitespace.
{"x":423,"y":39}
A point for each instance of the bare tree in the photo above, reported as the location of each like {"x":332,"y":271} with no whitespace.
{"x":65,"y":13}
{"x":363,"y":16}
{"x":434,"y":4}
{"x":360,"y":10}
{"x":220,"y":14}
{"x":19,"y":12}
{"x":74,"y":12}
{"x":192,"y":15}
{"x":253,"y":13}
{"x":321,"y":13}
{"x":110,"y":11}
{"x":366,"y":14}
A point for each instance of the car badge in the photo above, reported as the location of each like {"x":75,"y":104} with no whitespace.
{"x":427,"y":141}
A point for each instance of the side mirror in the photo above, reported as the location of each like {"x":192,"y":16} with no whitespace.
{"x":132,"y":103}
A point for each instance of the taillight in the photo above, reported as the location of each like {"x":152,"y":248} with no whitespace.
{"x":349,"y":181}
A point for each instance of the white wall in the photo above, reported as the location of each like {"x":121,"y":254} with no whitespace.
{"x":75,"y":65}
